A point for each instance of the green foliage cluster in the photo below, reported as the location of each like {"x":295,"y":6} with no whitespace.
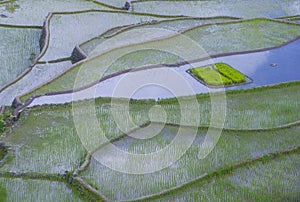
{"x":12,"y":7}
{"x":2,"y":124}
{"x":218,"y":74}
{"x":3,"y":193}
{"x":3,"y":152}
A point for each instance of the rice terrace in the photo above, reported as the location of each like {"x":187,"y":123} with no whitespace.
{"x":149,"y":100}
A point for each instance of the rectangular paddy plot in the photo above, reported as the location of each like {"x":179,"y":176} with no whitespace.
{"x":218,"y":75}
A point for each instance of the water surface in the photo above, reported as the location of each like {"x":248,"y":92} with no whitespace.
{"x":169,"y":82}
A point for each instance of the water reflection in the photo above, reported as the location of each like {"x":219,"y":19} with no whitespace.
{"x":257,"y":65}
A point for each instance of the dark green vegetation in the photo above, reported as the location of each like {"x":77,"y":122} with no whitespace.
{"x":3,"y":151}
{"x":3,"y":194}
{"x":2,"y":124}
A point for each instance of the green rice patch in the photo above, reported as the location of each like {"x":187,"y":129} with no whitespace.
{"x":229,"y":72}
{"x":218,"y":74}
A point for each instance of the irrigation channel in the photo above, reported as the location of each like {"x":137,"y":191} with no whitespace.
{"x":265,"y":68}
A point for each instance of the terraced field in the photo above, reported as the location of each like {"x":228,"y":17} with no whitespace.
{"x":20,"y":46}
{"x":243,"y":9}
{"x":35,"y":190}
{"x":210,"y":38}
{"x":31,"y":12}
{"x":238,"y":143}
{"x":175,"y":25}
{"x":258,"y":182}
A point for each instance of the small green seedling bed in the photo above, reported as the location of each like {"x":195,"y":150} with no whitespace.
{"x":218,"y":75}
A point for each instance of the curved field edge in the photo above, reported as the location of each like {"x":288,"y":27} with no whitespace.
{"x":52,"y":111}
{"x":166,"y":101}
{"x":119,"y":30}
{"x":45,"y":39}
{"x":52,"y":119}
{"x":38,"y":75}
{"x":268,"y":153}
{"x":74,"y":187}
{"x":28,"y":12}
{"x":63,"y":29}
{"x":44,"y":46}
{"x":291,"y":18}
{"x":49,"y":145}
{"x":223,"y":172}
{"x":109,"y":5}
{"x":7,"y":1}
{"x":277,"y":109}
{"x":147,"y":188}
{"x":242,"y":9}
{"x":231,"y":20}
{"x":86,"y":61}
{"x":26,"y":96}
{"x":88,"y":157}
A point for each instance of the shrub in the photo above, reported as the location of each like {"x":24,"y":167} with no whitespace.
{"x":2,"y":124}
